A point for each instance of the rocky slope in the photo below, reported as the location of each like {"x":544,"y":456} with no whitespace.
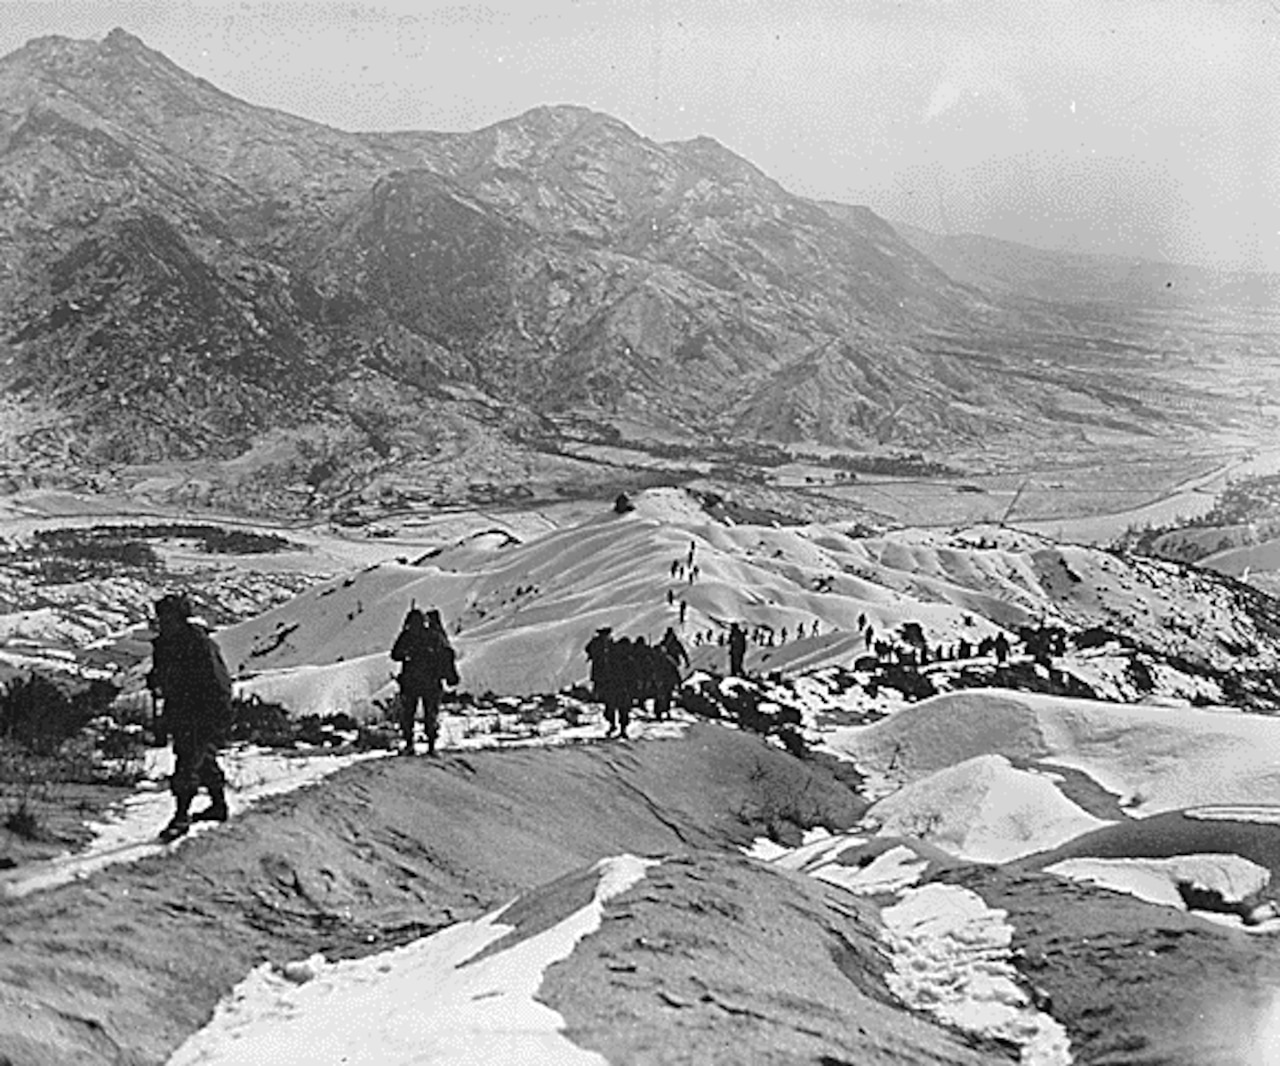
{"x":184,"y":274}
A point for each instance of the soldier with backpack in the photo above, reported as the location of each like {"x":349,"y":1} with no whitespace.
{"x":429,"y":664}
{"x":190,"y":675}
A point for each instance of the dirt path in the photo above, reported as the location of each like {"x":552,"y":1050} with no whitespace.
{"x":120,"y":968}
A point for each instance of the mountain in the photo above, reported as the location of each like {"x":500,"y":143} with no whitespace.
{"x":313,"y":314}
{"x":999,"y":266}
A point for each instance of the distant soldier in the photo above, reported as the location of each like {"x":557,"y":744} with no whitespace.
{"x":190,"y":675}
{"x":1001,"y":647}
{"x":675,"y":650}
{"x":737,"y":648}
{"x":429,"y":663}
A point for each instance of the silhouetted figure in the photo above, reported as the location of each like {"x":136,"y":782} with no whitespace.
{"x":1001,"y":648}
{"x":737,"y":649}
{"x":189,"y":674}
{"x":684,"y":610}
{"x":429,"y":663}
{"x":622,"y":504}
{"x":675,"y":650}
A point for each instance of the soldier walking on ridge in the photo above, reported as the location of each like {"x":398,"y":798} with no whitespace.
{"x":675,"y":650}
{"x":608,"y":680}
{"x":189,"y":674}
{"x":429,"y":664}
{"x":737,"y":648}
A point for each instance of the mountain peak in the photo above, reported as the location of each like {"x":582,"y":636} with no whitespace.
{"x":121,"y":40}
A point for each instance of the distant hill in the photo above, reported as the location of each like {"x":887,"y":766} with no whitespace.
{"x":998,"y":266}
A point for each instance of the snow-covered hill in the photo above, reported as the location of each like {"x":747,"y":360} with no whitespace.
{"x":521,"y":611}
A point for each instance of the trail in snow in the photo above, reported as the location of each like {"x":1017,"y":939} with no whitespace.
{"x":129,"y":832}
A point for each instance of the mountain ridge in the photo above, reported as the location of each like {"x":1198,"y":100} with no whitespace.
{"x":186,"y":273}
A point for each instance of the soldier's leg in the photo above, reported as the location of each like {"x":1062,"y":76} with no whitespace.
{"x":182,"y":784}
{"x":210,"y":775}
{"x":408,"y":711}
{"x":431,"y":706}
{"x":662,"y":703}
{"x":624,"y":715}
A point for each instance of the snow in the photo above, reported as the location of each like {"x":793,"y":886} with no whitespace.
{"x":1151,"y":759}
{"x":337,"y":688}
{"x":950,"y":958}
{"x":1259,"y":814}
{"x":433,"y":1001}
{"x":1155,"y":880}
{"x":949,"y":951}
{"x":129,"y":833}
{"x":891,"y":871}
{"x":983,"y":810}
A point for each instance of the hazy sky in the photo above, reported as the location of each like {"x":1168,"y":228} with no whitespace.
{"x":1130,"y":126}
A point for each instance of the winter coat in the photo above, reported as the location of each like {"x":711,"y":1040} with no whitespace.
{"x":188,"y":671}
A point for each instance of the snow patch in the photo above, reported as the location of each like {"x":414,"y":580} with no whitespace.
{"x":1154,"y":759}
{"x":983,"y":810}
{"x":431,"y":1001}
{"x":1233,"y":877}
{"x":950,"y":953}
{"x":1259,"y":814}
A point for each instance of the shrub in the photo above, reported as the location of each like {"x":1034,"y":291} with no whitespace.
{"x":23,"y":822}
{"x":260,"y":722}
{"x":40,"y":716}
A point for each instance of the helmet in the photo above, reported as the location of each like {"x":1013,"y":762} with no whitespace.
{"x":173,"y":605}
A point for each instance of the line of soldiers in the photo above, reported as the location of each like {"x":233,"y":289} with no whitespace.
{"x":626,"y":672}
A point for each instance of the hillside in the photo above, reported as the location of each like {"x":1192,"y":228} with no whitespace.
{"x":281,"y":317}
{"x":521,"y":612}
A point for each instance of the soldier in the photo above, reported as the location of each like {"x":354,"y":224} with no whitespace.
{"x":190,"y":675}
{"x":608,"y":683}
{"x":737,"y":648}
{"x":429,"y":664}
{"x":675,"y":650}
